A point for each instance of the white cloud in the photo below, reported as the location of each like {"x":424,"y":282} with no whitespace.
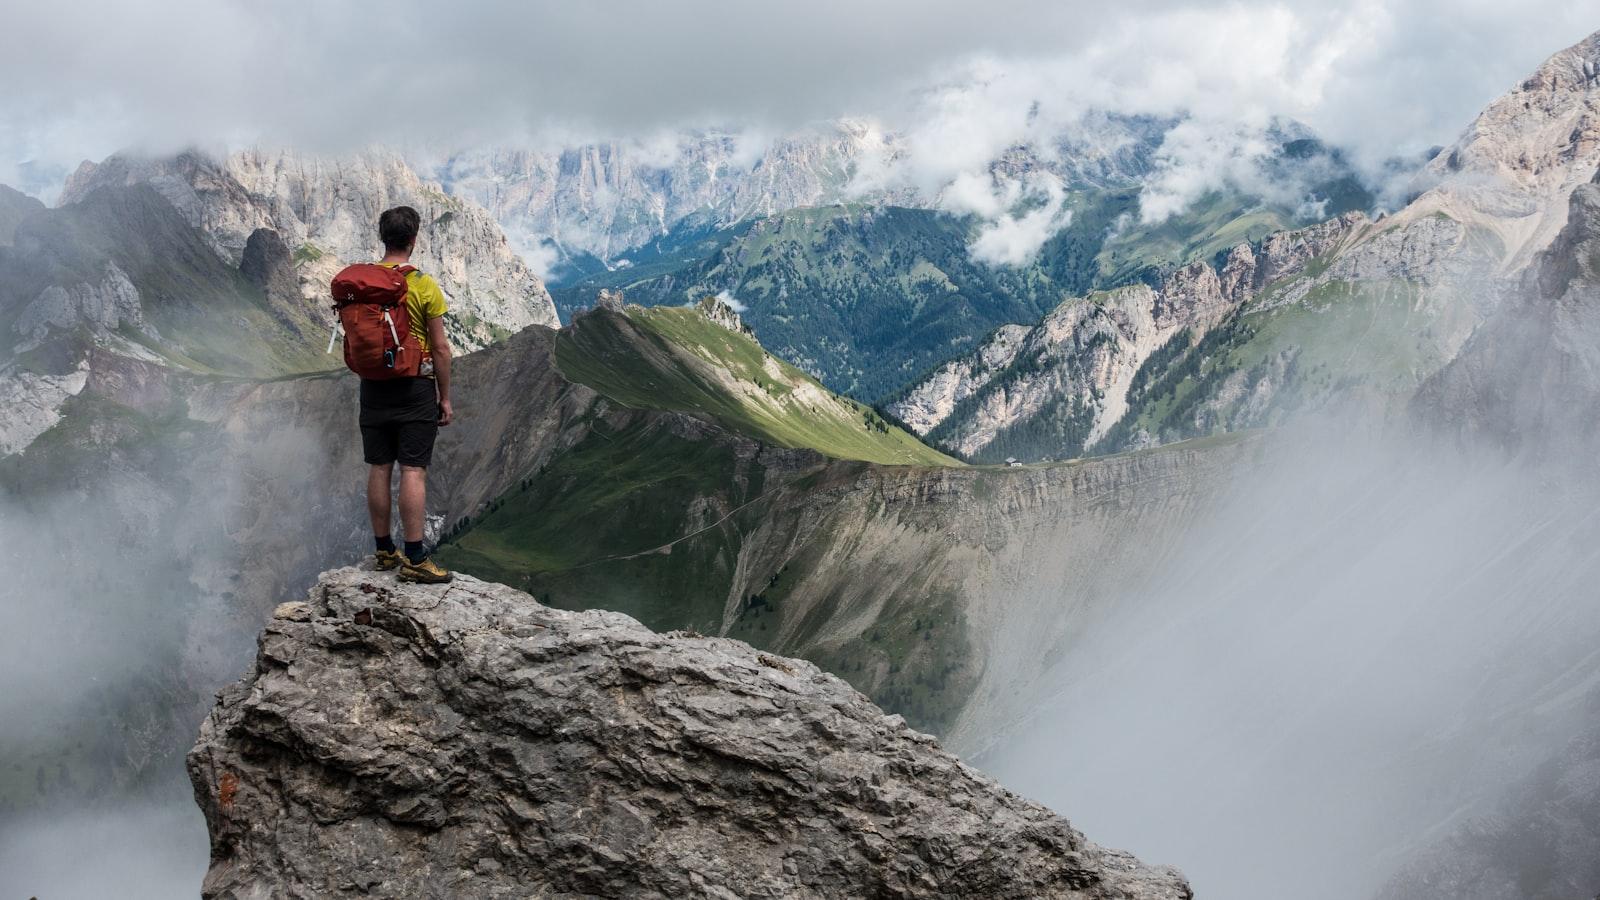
{"x":734,"y":303}
{"x":1019,"y":214}
{"x":542,"y":258}
{"x":1199,"y":156}
{"x":961,"y":82}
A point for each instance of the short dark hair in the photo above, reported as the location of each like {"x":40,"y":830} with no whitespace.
{"x":398,"y":227}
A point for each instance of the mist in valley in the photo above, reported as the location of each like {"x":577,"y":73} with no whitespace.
{"x":133,"y":602}
{"x":1359,"y":651}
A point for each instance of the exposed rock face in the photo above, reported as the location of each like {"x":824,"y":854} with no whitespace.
{"x":33,"y":404}
{"x":103,"y":306}
{"x":1076,"y":366}
{"x":327,"y":210}
{"x":605,"y":199}
{"x":1286,"y":253}
{"x":1511,"y":171}
{"x":268,"y":264}
{"x":464,"y":740}
{"x":1531,"y":374}
{"x":929,"y":402}
{"x":718,"y":311}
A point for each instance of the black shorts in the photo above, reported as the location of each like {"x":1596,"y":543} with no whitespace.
{"x":399,"y":420}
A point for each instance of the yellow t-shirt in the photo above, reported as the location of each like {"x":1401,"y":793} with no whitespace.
{"x":424,"y":301}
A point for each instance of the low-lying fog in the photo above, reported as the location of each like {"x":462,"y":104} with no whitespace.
{"x":1364,"y":644}
{"x":1365,"y":641}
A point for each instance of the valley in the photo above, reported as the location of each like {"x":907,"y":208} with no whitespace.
{"x":1270,"y":511}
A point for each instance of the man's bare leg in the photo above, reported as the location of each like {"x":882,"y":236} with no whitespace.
{"x":413,"y":500}
{"x":378,"y":498}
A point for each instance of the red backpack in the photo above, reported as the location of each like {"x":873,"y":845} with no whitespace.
{"x":371,"y":302}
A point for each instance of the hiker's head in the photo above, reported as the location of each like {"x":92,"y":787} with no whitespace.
{"x":398,"y":228}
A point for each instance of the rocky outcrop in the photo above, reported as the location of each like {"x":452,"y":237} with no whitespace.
{"x":717,"y":310}
{"x":326,"y":209}
{"x":1511,"y":171}
{"x":103,"y":306}
{"x":33,"y":404}
{"x":464,"y":740}
{"x":1286,"y":253}
{"x":604,"y":199}
{"x":1075,"y":368}
{"x":1531,"y":374}
{"x":268,"y":264}
{"x":931,"y":400}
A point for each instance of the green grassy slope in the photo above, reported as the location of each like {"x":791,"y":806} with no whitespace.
{"x":1343,"y":339}
{"x":693,"y":483}
{"x":866,"y":297}
{"x":1214,"y":224}
{"x":688,"y":530}
{"x":674,"y":358}
{"x":632,"y":518}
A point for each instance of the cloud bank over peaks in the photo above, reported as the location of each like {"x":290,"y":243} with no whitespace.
{"x":960,"y":84}
{"x":1017,"y":215}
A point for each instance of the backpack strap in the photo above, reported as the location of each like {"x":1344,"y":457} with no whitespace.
{"x":405,"y":273}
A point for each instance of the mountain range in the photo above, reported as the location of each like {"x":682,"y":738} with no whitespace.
{"x":1345,"y":308}
{"x":869,"y":288}
{"x":723,"y":470}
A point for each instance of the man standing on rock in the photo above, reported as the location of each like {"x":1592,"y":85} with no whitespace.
{"x":403,"y":408}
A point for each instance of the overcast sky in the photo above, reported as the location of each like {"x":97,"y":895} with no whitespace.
{"x":86,"y":78}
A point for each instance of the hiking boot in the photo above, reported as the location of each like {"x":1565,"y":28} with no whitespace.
{"x":384,"y":560}
{"x":425,"y":572}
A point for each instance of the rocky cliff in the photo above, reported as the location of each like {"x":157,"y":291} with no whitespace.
{"x":1346,"y":313}
{"x":464,"y":740}
{"x":1510,"y":172}
{"x":1527,"y":378}
{"x":931,"y":400}
{"x":1065,"y":382}
{"x":325,"y":209}
{"x":603,"y":199}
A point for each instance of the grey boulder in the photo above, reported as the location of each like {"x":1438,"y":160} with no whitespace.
{"x":465,"y":741}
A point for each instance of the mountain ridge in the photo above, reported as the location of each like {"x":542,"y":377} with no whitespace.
{"x":1412,"y":286}
{"x":326,"y":210}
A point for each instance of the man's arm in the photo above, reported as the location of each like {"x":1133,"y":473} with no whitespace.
{"x":441,"y":366}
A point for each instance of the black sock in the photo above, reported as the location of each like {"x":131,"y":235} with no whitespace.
{"x":385,"y":543}
{"x":414,"y":552}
